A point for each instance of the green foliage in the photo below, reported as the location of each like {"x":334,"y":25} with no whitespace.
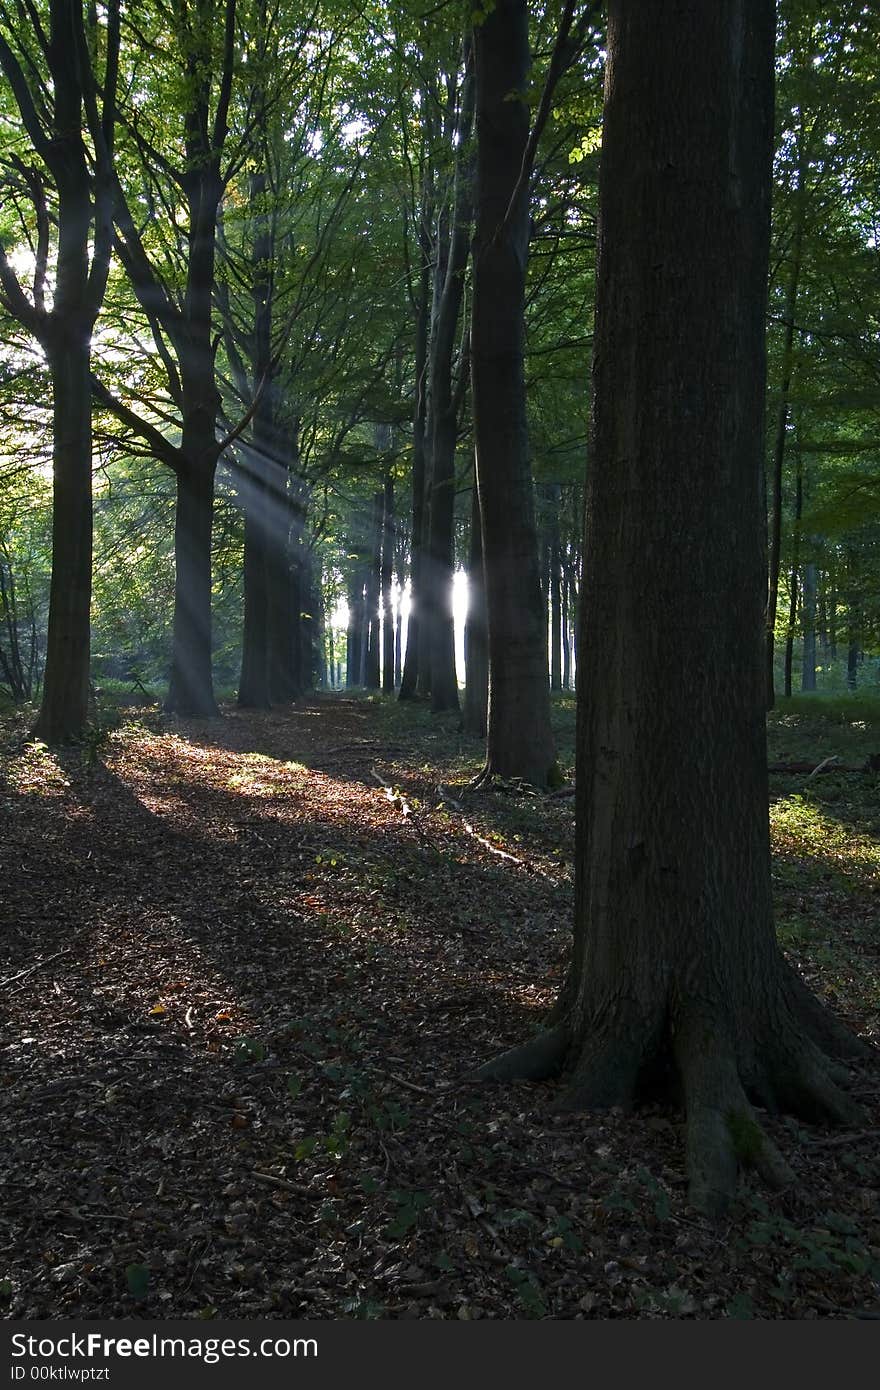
{"x":137,"y":1279}
{"x":248,"y":1050}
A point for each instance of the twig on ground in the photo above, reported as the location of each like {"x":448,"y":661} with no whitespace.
{"x":838,"y":1140}
{"x":299,"y":1188}
{"x":47,"y":960}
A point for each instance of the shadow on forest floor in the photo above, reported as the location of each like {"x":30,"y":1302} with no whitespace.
{"x":249,"y":995}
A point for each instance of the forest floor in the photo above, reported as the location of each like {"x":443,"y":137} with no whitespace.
{"x":244,"y":989}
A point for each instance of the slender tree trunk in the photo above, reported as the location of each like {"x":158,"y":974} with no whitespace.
{"x":566,"y":640}
{"x":373,"y":590}
{"x":795,"y":562}
{"x":519,"y":697}
{"x":443,"y":413}
{"x":808,"y":623}
{"x":476,"y":634}
{"x":832,"y":615}
{"x":782,"y":413}
{"x":675,"y":960}
{"x":409,"y":682}
{"x":853,"y":622}
{"x":387,"y":577}
{"x":808,"y":608}
{"x":555,"y":592}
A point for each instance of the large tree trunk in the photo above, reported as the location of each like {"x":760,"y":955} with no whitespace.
{"x":64,"y":707}
{"x":519,"y":697}
{"x":675,"y":963}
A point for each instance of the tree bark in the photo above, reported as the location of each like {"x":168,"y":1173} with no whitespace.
{"x":555,"y":590}
{"x":64,"y":708}
{"x":794,"y":578}
{"x":675,"y":970}
{"x":808,"y":609}
{"x":190,"y":689}
{"x":387,"y":577}
{"x":409,"y":681}
{"x":443,"y":412}
{"x":519,"y":697}
{"x":476,"y":636}
{"x":782,"y":412}
{"x":371,"y":593}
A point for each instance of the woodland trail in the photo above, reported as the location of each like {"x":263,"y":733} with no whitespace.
{"x":243,"y":995}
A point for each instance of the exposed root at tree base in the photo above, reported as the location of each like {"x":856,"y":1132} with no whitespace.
{"x":723,"y":1131}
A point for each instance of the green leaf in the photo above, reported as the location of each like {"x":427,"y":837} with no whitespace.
{"x":137,"y":1277}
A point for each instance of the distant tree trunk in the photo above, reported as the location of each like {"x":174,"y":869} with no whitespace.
{"x":409,"y":682}
{"x":443,"y":411}
{"x":476,"y":635}
{"x":566,"y":640}
{"x":555,"y":558}
{"x":387,"y":577}
{"x":675,"y":959}
{"x":782,"y":409}
{"x":519,"y":696}
{"x":354,"y":632}
{"x":853,"y":619}
{"x":793,"y":583}
{"x":287,"y":522}
{"x":372,"y":591}
{"x":808,"y":609}
{"x":832,"y":615}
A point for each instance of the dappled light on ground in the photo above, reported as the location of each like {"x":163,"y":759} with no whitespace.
{"x":244,"y":996}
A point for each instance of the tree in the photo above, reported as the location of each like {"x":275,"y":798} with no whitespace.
{"x":190,"y":63}
{"x":65,"y":105}
{"x":518,"y":692}
{"x":675,"y":966}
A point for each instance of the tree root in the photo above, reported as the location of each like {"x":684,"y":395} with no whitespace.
{"x":827,"y":1032}
{"x":539,"y":1059}
{"x":723,"y":1131}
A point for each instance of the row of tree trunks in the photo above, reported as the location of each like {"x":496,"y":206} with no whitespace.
{"x":373,"y":637}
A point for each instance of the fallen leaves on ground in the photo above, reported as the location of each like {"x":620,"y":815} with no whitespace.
{"x":244,"y":997}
